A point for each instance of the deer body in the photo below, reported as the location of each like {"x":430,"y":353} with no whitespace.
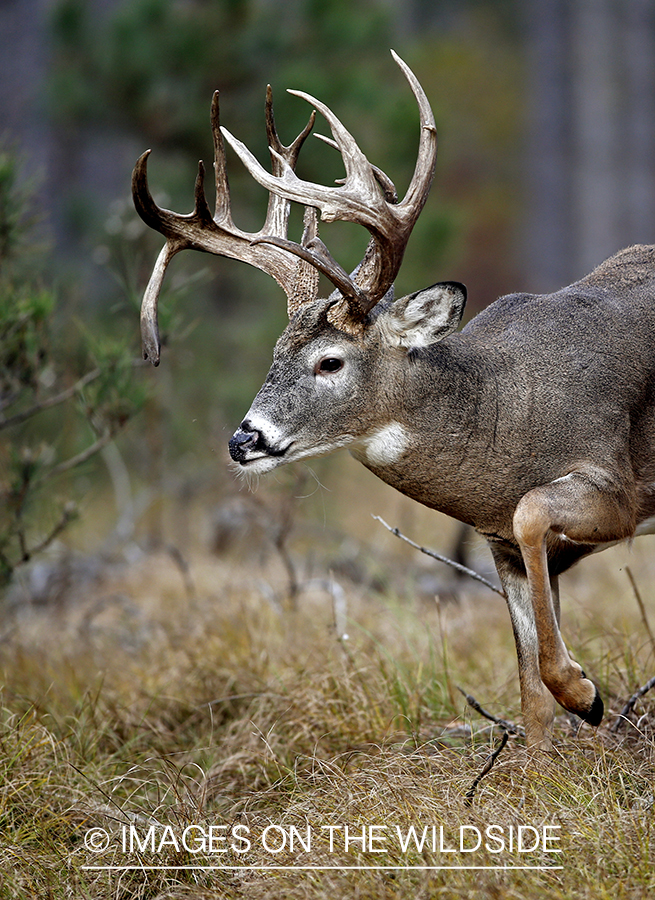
{"x":535,"y":391}
{"x":535,"y":423}
{"x":530,"y":390}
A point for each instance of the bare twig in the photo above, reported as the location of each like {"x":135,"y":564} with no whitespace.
{"x":79,"y":458}
{"x":642,"y":608}
{"x":508,"y":727}
{"x":468,"y":799}
{"x":629,"y":706}
{"x":68,"y":514}
{"x":185,"y":570}
{"x":50,"y":401}
{"x":444,"y":559}
{"x":61,"y":397}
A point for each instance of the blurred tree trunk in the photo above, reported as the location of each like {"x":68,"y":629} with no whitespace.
{"x":638,"y":148}
{"x":595,"y":96}
{"x":591,"y":134}
{"x":548,"y":187}
{"x":23,"y":66}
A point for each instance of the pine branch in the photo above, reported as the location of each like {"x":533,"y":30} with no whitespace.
{"x":49,"y":402}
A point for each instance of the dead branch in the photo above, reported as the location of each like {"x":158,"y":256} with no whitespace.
{"x":629,"y":706}
{"x":444,"y":559}
{"x":642,"y":608}
{"x":69,"y":513}
{"x":508,"y":727}
{"x":468,"y":799}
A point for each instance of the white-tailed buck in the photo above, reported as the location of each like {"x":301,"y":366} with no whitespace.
{"x":534,"y":424}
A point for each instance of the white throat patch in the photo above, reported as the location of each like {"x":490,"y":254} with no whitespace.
{"x":386,"y":445}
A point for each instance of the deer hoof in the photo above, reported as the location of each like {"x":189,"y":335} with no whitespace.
{"x":594,"y":715}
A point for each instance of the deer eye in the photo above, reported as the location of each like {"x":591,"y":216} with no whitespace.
{"x":328,"y":365}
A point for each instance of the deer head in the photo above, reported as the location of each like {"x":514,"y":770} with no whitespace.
{"x":316,"y":397}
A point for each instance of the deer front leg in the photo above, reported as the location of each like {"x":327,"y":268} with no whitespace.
{"x":537,"y":703}
{"x":586,"y":508}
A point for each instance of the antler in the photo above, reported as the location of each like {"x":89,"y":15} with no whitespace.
{"x":218,"y":234}
{"x":365,"y":197}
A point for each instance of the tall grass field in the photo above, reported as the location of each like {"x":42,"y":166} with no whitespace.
{"x":267,"y":703}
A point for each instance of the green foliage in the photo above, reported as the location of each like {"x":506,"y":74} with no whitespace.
{"x":11,"y":218}
{"x":57,"y":408}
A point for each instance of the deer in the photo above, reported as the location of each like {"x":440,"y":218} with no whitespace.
{"x":534,"y":423}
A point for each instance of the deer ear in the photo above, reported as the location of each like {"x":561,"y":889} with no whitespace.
{"x":424,"y":317}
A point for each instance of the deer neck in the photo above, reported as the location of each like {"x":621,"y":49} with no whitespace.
{"x":440,"y":416}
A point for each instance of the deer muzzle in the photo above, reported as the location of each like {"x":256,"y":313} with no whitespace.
{"x":244,"y":443}
{"x":249,"y":444}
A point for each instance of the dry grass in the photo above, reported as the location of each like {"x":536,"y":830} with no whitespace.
{"x":168,"y":700}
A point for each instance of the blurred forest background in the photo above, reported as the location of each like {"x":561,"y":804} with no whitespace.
{"x":176,"y":649}
{"x":546,"y":117}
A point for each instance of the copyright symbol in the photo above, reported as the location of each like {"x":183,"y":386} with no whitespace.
{"x":96,"y":840}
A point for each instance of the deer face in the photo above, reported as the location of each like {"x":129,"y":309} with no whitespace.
{"x":328,"y":388}
{"x":316,"y":396}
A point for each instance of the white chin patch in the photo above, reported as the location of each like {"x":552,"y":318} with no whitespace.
{"x":260,"y":466}
{"x":384,"y":446}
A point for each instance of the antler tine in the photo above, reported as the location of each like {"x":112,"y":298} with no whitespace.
{"x":165,"y":222}
{"x":149,"y":323}
{"x":344,"y":203}
{"x":219,"y":235}
{"x":334,"y":203}
{"x":277,"y":214}
{"x":292,"y":151}
{"x":421,"y":182}
{"x":222,"y":212}
{"x":358,"y":168}
{"x":387,"y":185}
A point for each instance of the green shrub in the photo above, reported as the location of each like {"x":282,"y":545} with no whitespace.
{"x":58,"y":407}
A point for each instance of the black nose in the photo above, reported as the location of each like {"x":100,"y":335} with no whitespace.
{"x":242,"y":441}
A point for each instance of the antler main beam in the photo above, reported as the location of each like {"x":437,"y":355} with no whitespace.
{"x":217,"y":234}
